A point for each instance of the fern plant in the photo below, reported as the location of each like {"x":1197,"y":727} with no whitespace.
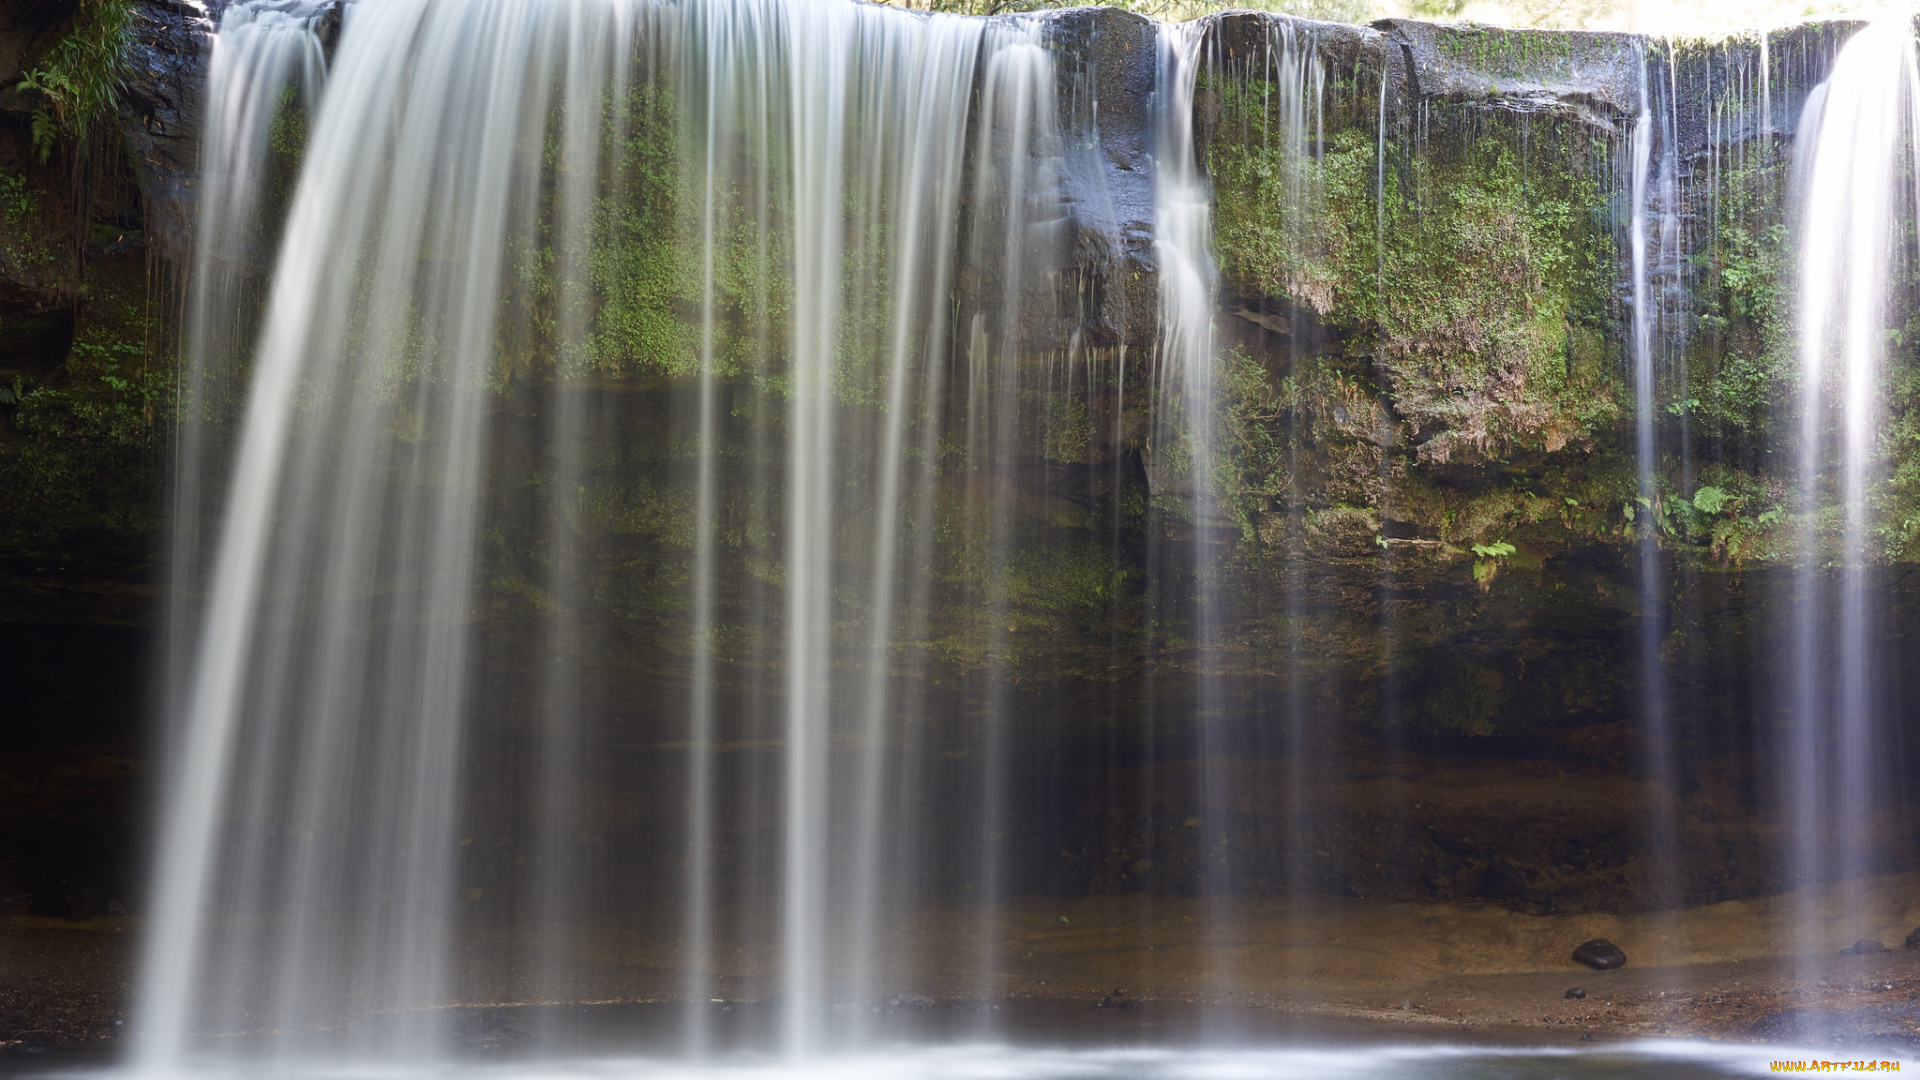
{"x":79,"y":80}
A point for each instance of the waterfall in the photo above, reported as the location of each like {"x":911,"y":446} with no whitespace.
{"x":1295,"y":67}
{"x":1857,"y":154}
{"x":506,"y":209}
{"x":1654,"y":246}
{"x":267,"y":71}
{"x":665,"y":495}
{"x":319,"y":757}
{"x":1184,"y":453}
{"x":267,"y":66}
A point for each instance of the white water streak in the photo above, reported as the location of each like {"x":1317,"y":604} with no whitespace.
{"x":306,"y":868}
{"x":1856,"y":131}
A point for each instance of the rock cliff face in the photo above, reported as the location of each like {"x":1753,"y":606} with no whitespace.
{"x":1430,"y":508}
{"x":95,"y":234}
{"x":153,"y":140}
{"x":162,"y":115}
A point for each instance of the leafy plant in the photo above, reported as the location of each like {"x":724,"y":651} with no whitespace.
{"x":1487,"y":562}
{"x":1711,"y":500}
{"x":78,"y":81}
{"x":17,"y":200}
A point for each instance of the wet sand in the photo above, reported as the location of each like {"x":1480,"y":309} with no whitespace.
{"x":1132,"y":969}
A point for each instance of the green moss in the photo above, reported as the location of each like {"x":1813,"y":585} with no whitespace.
{"x":287,"y":134}
{"x":1434,"y":424}
{"x":27,"y":252}
{"x":1290,"y":224}
{"x":1493,"y":261}
{"x":79,"y":445}
{"x":1740,"y":363}
{"x":644,"y":266}
{"x":1479,"y":286}
{"x":1056,"y":587}
{"x":1528,"y":55}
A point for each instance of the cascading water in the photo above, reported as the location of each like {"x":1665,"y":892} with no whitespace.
{"x":267,"y":57}
{"x":1183,"y":448}
{"x":665,"y":415}
{"x":1859,"y":156}
{"x":1654,"y":240}
{"x":266,"y":60}
{"x":1294,"y":70}
{"x":314,"y":848}
{"x":322,"y":720}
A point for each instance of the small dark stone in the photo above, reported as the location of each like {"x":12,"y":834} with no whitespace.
{"x":1577,"y":992}
{"x":1913,"y":938}
{"x":1132,"y":1004}
{"x":1600,"y":955}
{"x":1863,"y":947}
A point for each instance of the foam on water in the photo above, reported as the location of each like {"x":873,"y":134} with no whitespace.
{"x":1643,"y":1060}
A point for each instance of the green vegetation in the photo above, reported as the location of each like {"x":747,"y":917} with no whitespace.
{"x":1527,"y":57}
{"x":27,"y":252}
{"x":1743,"y":353}
{"x":1485,"y":349}
{"x":79,"y":443}
{"x":287,"y":134}
{"x":1353,"y":11}
{"x":1428,"y":483}
{"x":80,"y":404}
{"x":77,"y":81}
{"x":18,"y":200}
{"x":644,"y":264}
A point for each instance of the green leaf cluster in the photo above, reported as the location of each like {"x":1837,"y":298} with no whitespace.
{"x":78,"y":80}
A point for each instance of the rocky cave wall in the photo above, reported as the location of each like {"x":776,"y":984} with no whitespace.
{"x":1429,"y":507}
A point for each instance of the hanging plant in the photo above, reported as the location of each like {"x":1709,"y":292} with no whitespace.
{"x":78,"y":81}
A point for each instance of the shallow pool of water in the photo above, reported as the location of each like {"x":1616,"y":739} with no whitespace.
{"x":1650,"y":1059}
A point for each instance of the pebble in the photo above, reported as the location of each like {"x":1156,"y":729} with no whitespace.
{"x":1577,"y":993}
{"x":1913,"y":938}
{"x":1600,"y":955}
{"x":1863,"y":947}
